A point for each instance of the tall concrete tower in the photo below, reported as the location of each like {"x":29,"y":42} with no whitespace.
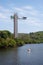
{"x":15,"y":18}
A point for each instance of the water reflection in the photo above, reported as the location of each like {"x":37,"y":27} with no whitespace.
{"x":8,"y":57}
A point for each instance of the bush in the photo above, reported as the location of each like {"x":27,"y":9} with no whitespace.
{"x":19,"y":42}
{"x":11,"y":43}
{"x":7,"y":42}
{"x":3,"y":43}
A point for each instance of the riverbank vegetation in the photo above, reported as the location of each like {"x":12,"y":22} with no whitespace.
{"x":7,"y":39}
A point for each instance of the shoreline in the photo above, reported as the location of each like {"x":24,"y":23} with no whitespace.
{"x":18,"y":46}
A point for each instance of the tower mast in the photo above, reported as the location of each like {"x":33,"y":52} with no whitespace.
{"x":15,"y":17}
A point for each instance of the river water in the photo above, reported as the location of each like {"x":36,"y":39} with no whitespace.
{"x":21,"y":55}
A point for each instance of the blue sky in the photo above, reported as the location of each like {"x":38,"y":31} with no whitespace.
{"x":32,"y":9}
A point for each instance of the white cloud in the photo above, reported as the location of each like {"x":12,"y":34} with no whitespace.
{"x":27,"y":11}
{"x":21,"y":11}
{"x":3,"y":9}
{"x":2,"y":16}
{"x":28,"y":7}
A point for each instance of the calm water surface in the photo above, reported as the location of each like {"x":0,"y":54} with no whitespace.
{"x":20,"y":55}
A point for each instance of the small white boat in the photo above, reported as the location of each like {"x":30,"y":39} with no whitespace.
{"x":28,"y":49}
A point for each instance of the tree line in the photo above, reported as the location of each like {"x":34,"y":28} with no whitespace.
{"x":7,"y":39}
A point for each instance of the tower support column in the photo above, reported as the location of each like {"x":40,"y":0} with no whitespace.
{"x":15,"y":26}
